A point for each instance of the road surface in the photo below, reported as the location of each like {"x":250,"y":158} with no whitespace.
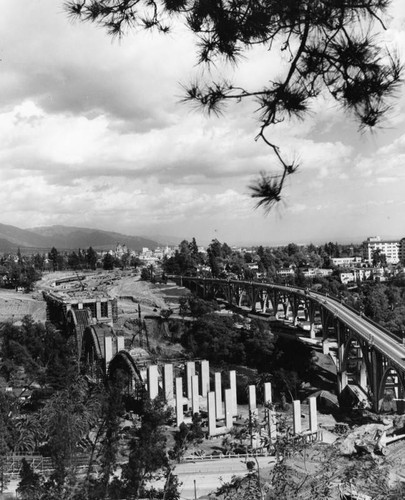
{"x":210,"y":475}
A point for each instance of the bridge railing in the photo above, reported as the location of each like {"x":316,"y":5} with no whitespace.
{"x":392,"y":335}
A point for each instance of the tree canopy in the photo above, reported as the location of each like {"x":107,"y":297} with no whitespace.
{"x":330,"y":46}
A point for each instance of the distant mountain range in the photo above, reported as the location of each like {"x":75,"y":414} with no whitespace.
{"x":68,"y":238}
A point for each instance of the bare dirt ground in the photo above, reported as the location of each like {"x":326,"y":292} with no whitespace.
{"x":123,"y":285}
{"x":15,"y":305}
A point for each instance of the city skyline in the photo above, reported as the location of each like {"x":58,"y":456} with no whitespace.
{"x":94,"y":135}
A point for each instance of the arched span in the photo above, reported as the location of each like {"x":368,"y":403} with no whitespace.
{"x":365,"y":360}
{"x":398,"y":387}
{"x":77,"y":321}
{"x":91,"y":343}
{"x":124,"y":361}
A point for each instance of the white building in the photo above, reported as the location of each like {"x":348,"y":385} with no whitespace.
{"x":346,"y":261}
{"x":402,"y":250}
{"x":389,"y":248}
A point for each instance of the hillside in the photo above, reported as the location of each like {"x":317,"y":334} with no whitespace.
{"x":67,"y":238}
{"x":12,"y":237}
{"x":76,"y":237}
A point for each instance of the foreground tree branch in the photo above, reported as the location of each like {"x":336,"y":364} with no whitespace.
{"x":330,"y":48}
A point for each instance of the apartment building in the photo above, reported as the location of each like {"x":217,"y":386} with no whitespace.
{"x":402,"y":250}
{"x":389,"y":248}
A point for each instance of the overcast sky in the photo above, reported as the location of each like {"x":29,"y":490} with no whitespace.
{"x":93,"y":134}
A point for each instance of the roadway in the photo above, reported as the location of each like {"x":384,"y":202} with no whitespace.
{"x":381,"y":340}
{"x":200,"y":478}
{"x":389,"y":347}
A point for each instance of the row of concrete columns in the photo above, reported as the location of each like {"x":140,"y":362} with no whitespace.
{"x":217,"y":408}
{"x":196,"y":386}
{"x":271,"y":415}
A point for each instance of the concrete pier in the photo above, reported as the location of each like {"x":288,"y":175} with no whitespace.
{"x":218,"y":396}
{"x":153,"y":381}
{"x":228,"y":409}
{"x":179,"y":401}
{"x":205,"y":378}
{"x":212,"y":421}
{"x":232,"y":386}
{"x":297,"y":429}
{"x":195,"y":398}
{"x":190,"y":372}
{"x":168,"y":384}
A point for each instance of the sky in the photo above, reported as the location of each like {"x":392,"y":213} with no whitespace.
{"x":93,"y":133}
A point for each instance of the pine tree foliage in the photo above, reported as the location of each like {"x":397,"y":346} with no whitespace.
{"x":330,"y":46}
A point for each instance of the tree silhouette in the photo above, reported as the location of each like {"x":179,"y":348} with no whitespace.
{"x":330,"y":46}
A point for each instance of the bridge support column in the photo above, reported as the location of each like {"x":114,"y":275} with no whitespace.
{"x":218,"y":396}
{"x":108,"y":351}
{"x":179,"y":401}
{"x":264,"y":299}
{"x":205,"y":377}
{"x":401,"y":398}
{"x":285,"y":309}
{"x":211,"y":407}
{"x":363,"y":375}
{"x":267,"y":393}
{"x":294,"y":310}
{"x":252,"y":401}
{"x":376,"y":377}
{"x":153,"y":381}
{"x":326,"y":323}
{"x":310,"y":315}
{"x":168,"y":384}
{"x":232,"y":386}
{"x":253,"y":297}
{"x":275,"y":301}
{"x":228,"y":409}
{"x":313,"y":417}
{"x":190,"y":372}
{"x":297,"y":417}
{"x":120,"y":343}
{"x":341,"y":374}
{"x":195,"y":398}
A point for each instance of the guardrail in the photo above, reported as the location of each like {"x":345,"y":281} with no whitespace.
{"x":222,"y":456}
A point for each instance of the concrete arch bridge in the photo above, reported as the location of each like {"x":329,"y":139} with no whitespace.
{"x":104,"y":356}
{"x":368,"y":357}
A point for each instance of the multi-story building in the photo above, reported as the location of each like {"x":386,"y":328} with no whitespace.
{"x":389,"y":248}
{"x":401,"y":251}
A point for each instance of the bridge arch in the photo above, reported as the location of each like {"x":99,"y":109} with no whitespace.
{"x":77,"y":320}
{"x":93,"y":349}
{"x":391,"y":387}
{"x":124,"y":369}
{"x":357,"y":355}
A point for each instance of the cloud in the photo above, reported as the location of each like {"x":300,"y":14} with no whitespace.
{"x":92,"y":133}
